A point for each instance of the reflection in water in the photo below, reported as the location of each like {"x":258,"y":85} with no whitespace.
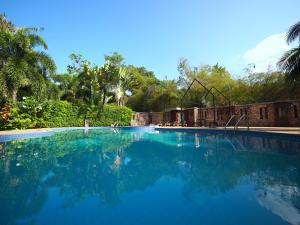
{"x":197,"y":140}
{"x":86,"y":130}
{"x":117,"y":160}
{"x":200,"y":172}
{"x":2,"y":149}
{"x":281,"y":200}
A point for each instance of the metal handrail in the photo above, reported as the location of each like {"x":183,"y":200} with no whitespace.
{"x":233,"y":145}
{"x":238,"y":121}
{"x":231,"y":118}
{"x":116,"y":130}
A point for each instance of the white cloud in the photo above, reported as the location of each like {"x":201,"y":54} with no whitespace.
{"x":266,"y":53}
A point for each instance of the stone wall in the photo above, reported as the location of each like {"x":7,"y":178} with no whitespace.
{"x":278,"y":114}
{"x":256,"y":114}
{"x":294,"y":114}
{"x":157,"y":117}
{"x":191,"y":116}
{"x":221,"y":115}
{"x":283,"y":113}
{"x":140,"y":119}
{"x":268,"y":114}
{"x":146,"y":118}
{"x":287,"y":113}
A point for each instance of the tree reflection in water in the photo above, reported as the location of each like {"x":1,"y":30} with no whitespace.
{"x":106,"y":165}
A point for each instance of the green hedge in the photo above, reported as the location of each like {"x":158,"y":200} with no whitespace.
{"x":111,"y":114}
{"x":59,"y":114}
{"x":31,"y":114}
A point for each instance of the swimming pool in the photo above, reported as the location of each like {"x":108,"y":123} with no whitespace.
{"x":138,"y":176}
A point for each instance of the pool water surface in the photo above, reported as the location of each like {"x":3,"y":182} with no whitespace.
{"x":135,"y":177}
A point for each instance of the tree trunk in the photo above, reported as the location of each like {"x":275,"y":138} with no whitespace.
{"x":14,"y":94}
{"x":121,"y":102}
{"x":104,"y":97}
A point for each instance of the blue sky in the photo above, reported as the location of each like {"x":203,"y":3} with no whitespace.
{"x":156,"y":34}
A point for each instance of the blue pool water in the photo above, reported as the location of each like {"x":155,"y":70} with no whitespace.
{"x":136,"y":177}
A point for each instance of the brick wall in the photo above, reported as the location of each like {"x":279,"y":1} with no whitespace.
{"x":294,"y":114}
{"x":191,"y":116}
{"x":140,"y":119}
{"x":157,"y":117}
{"x":145,"y":118}
{"x":283,"y":113}
{"x":256,"y":114}
{"x":260,"y":114}
{"x":287,"y":113}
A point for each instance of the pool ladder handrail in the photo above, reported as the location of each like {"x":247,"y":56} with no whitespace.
{"x":238,"y":121}
{"x":231,"y":118}
{"x":116,"y":130}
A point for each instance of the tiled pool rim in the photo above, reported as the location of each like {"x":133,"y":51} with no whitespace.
{"x":52,"y":131}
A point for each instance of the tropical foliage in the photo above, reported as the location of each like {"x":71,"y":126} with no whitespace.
{"x":290,"y":61}
{"x":30,"y":113}
{"x":32,"y":94}
{"x":22,"y":66}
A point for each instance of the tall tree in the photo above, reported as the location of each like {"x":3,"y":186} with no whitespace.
{"x":290,"y":61}
{"x":67,"y":86}
{"x":21,"y":63}
{"x":113,"y":78}
{"x":119,"y":89}
{"x":5,"y":25}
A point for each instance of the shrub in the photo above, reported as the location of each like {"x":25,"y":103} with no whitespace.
{"x":20,"y":123}
{"x":31,"y":114}
{"x":59,"y":114}
{"x":5,"y":114}
{"x":19,"y":120}
{"x":112,"y":114}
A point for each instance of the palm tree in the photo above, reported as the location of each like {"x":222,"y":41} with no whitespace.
{"x":290,"y":61}
{"x":21,"y":64}
{"x":5,"y":25}
{"x":107,"y":77}
{"x":85,"y":78}
{"x":119,"y":89}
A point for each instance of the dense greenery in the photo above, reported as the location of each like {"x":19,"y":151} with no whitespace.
{"x":30,"y":113}
{"x":253,"y":87}
{"x":100,"y":92}
{"x":21,"y":65}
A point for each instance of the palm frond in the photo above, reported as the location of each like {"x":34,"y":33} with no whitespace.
{"x":293,"y":33}
{"x":44,"y":60}
{"x":5,"y":25}
{"x":290,"y":63}
{"x":29,"y":29}
{"x":36,"y":40}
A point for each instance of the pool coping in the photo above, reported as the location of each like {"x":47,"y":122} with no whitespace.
{"x":10,"y":135}
{"x":279,"y":130}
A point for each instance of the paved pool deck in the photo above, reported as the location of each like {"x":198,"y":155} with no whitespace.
{"x":279,"y":130}
{"x":27,"y":131}
{"x":283,"y":130}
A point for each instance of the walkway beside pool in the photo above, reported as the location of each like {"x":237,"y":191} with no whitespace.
{"x":280,"y":130}
{"x":27,"y":131}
